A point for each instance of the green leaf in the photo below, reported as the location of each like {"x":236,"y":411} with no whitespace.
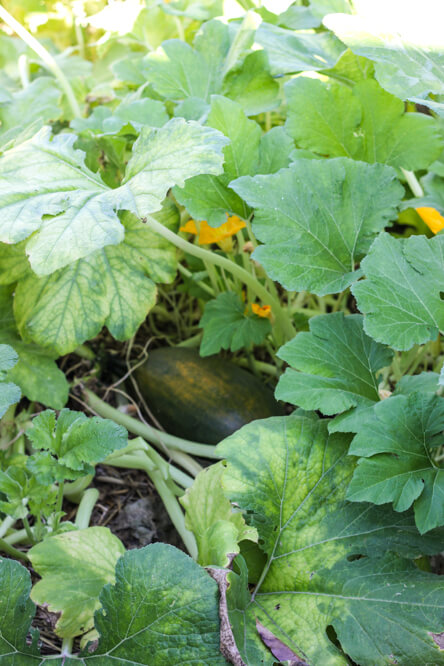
{"x":290,"y":51}
{"x":28,"y":110}
{"x":82,"y":208}
{"x":209,"y":515}
{"x":74,"y":567}
{"x":373,"y":126}
{"x":425,"y":382}
{"x":113,"y":287}
{"x":36,"y":372}
{"x":333,"y":368}
{"x":219,"y":62}
{"x":9,"y":392}
{"x":293,"y":491}
{"x":395,"y":441}
{"x":406,"y":46}
{"x":317,"y":219}
{"x":162,"y":610}
{"x":129,"y":114}
{"x":72,"y":445}
{"x":209,"y":197}
{"x":16,"y":614}
{"x":400,"y":296}
{"x":226,"y":326}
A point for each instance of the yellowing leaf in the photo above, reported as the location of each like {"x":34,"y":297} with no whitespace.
{"x":261,"y":310}
{"x":433,"y":219}
{"x":207,"y":235}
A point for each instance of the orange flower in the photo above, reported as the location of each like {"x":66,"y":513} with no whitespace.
{"x":261,"y":310}
{"x":208,"y":235}
{"x":433,"y":219}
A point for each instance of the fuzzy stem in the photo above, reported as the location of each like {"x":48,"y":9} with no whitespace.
{"x":281,"y":317}
{"x":413,"y":183}
{"x":13,"y":552}
{"x":85,"y":508}
{"x":47,"y":58}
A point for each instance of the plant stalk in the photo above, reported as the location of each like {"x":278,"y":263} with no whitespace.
{"x":46,"y":57}
{"x":282,"y":318}
{"x":156,"y":437}
{"x":85,"y":508}
{"x":13,"y":552}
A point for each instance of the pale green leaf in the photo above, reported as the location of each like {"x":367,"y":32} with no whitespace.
{"x":47,"y":188}
{"x":293,"y":491}
{"x":28,"y":110}
{"x":219,"y":62}
{"x":425,"y":382}
{"x":209,"y":515}
{"x":333,"y":368}
{"x":317,"y":219}
{"x":406,"y":45}
{"x":74,"y":567}
{"x":113,"y":287}
{"x":226,"y":326}
{"x":395,"y":443}
{"x":133,"y":113}
{"x":400,"y":296}
{"x":290,"y":51}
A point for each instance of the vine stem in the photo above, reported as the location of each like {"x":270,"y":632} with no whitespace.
{"x":45,"y":55}
{"x":85,"y":508}
{"x":281,"y":317}
{"x":156,"y":437}
{"x":413,"y":183}
{"x":14,"y":552}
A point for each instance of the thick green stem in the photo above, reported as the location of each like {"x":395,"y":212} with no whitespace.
{"x":156,"y":437}
{"x":47,"y":58}
{"x":282,"y":319}
{"x":20,"y":536}
{"x":85,"y":508}
{"x":28,"y":530}
{"x":5,"y":547}
{"x":74,"y":491}
{"x":413,"y":183}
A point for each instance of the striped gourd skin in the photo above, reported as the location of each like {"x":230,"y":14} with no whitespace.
{"x":202,"y":399}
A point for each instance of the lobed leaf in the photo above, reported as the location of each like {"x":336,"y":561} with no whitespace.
{"x":328,"y":560}
{"x":317,"y":219}
{"x":401,"y":294}
{"x":395,"y":442}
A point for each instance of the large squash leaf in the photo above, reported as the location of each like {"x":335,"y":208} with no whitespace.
{"x":47,"y":190}
{"x":317,"y":219}
{"x":401,"y":295}
{"x":329,"y":561}
{"x":396,"y":442}
{"x":372,"y":127}
{"x":163,"y":609}
{"x":333,"y":368}
{"x":406,"y":45}
{"x":114,"y":287}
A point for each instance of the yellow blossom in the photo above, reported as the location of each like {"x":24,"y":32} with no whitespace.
{"x":208,"y":235}
{"x":433,"y":219}
{"x":261,"y":310}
